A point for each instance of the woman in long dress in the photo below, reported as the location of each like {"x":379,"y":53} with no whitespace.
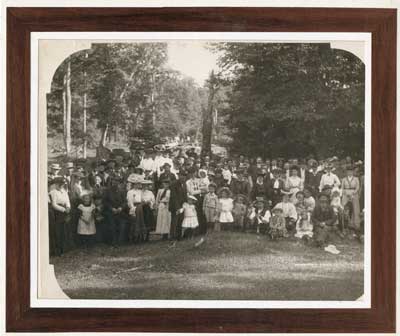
{"x":294,"y":183}
{"x":163,"y":226}
{"x":351,"y":193}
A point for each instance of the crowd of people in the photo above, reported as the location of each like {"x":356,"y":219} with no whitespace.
{"x":173,"y":195}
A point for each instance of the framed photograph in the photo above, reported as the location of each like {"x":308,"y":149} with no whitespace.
{"x":201,"y":169}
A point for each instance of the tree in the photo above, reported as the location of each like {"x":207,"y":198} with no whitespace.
{"x":293,"y":99}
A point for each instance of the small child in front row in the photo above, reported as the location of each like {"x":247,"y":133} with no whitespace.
{"x":86,"y":224}
{"x":190,"y":221}
{"x":336,"y":204}
{"x":239,"y":211}
{"x":225,"y":207}
{"x":277,"y":224}
{"x":304,"y":227}
{"x":210,"y":205}
{"x":259,"y":214}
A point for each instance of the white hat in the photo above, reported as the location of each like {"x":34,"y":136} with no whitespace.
{"x":192,"y":198}
{"x":332,"y":249}
{"x":55,"y":166}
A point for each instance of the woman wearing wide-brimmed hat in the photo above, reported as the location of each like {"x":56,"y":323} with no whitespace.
{"x":61,"y":206}
{"x":163,"y":227}
{"x":351,"y":191}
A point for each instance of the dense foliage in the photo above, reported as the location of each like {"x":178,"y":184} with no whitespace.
{"x":293,"y":99}
{"x":130,"y":92}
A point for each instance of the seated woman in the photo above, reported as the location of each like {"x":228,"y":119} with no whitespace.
{"x":289,"y":211}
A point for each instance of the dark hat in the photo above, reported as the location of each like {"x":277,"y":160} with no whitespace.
{"x":239,"y":171}
{"x":58,"y":180}
{"x":276,"y":171}
{"x":78,"y":175}
{"x":166,"y":164}
{"x":300,"y":192}
{"x":212,"y":184}
{"x":182,"y":172}
{"x":165,"y":180}
{"x":225,"y":189}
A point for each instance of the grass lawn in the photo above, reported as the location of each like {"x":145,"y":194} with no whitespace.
{"x":230,"y":266}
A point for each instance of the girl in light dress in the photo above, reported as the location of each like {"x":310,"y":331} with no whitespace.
{"x":304,"y":227}
{"x":86,"y":222}
{"x":294,"y":183}
{"x":225,"y":207}
{"x":190,"y":221}
{"x":163,"y":226}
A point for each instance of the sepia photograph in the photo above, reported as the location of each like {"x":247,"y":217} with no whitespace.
{"x":204,"y":169}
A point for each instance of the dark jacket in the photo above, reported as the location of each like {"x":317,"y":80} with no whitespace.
{"x":178,"y":195}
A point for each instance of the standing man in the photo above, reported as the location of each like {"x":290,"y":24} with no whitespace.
{"x":114,"y":203}
{"x":178,"y":196}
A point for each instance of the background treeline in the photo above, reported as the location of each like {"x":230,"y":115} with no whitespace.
{"x":293,"y":99}
{"x":275,"y":99}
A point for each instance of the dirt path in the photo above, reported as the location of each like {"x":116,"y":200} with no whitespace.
{"x":227,"y":266}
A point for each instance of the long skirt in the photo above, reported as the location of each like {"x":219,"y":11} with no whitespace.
{"x":355,"y":216}
{"x":52,"y":232}
{"x":148,"y":216}
{"x":138,"y":227}
{"x":60,"y":223}
{"x":163,"y":220}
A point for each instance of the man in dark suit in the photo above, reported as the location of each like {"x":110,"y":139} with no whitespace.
{"x":177,"y":198}
{"x":313,"y":177}
{"x":275,"y":187}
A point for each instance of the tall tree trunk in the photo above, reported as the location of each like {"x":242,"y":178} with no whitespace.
{"x":207,"y":128}
{"x":67,"y":109}
{"x":104,"y":136}
{"x":84,"y":126}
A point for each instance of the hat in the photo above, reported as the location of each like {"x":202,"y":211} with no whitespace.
{"x":147,"y":182}
{"x":69,"y":165}
{"x":192,"y":198}
{"x":135,"y":178}
{"x":211,"y":172}
{"x":58,"y":180}
{"x":166,"y":164}
{"x":79,"y":175}
{"x":286,"y":191}
{"x":85,"y":193}
{"x":277,"y":208}
{"x":276,"y":171}
{"x":55,"y":166}
{"x":165,"y":180}
{"x":212,"y":184}
{"x":225,"y":189}
{"x":300,"y":192}
{"x":332,"y":249}
{"x":182,"y":172}
{"x":312,"y":163}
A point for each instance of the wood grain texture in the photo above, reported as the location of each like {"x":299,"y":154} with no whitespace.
{"x":382,"y":24}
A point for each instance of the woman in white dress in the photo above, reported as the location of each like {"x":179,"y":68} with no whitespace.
{"x":294,"y":183}
{"x":163,"y":226}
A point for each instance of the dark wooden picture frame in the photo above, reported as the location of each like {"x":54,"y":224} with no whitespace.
{"x":380,"y":22}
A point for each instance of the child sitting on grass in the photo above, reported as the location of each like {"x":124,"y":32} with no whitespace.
{"x":304,"y":228}
{"x":259,"y":214}
{"x":277,"y":224}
